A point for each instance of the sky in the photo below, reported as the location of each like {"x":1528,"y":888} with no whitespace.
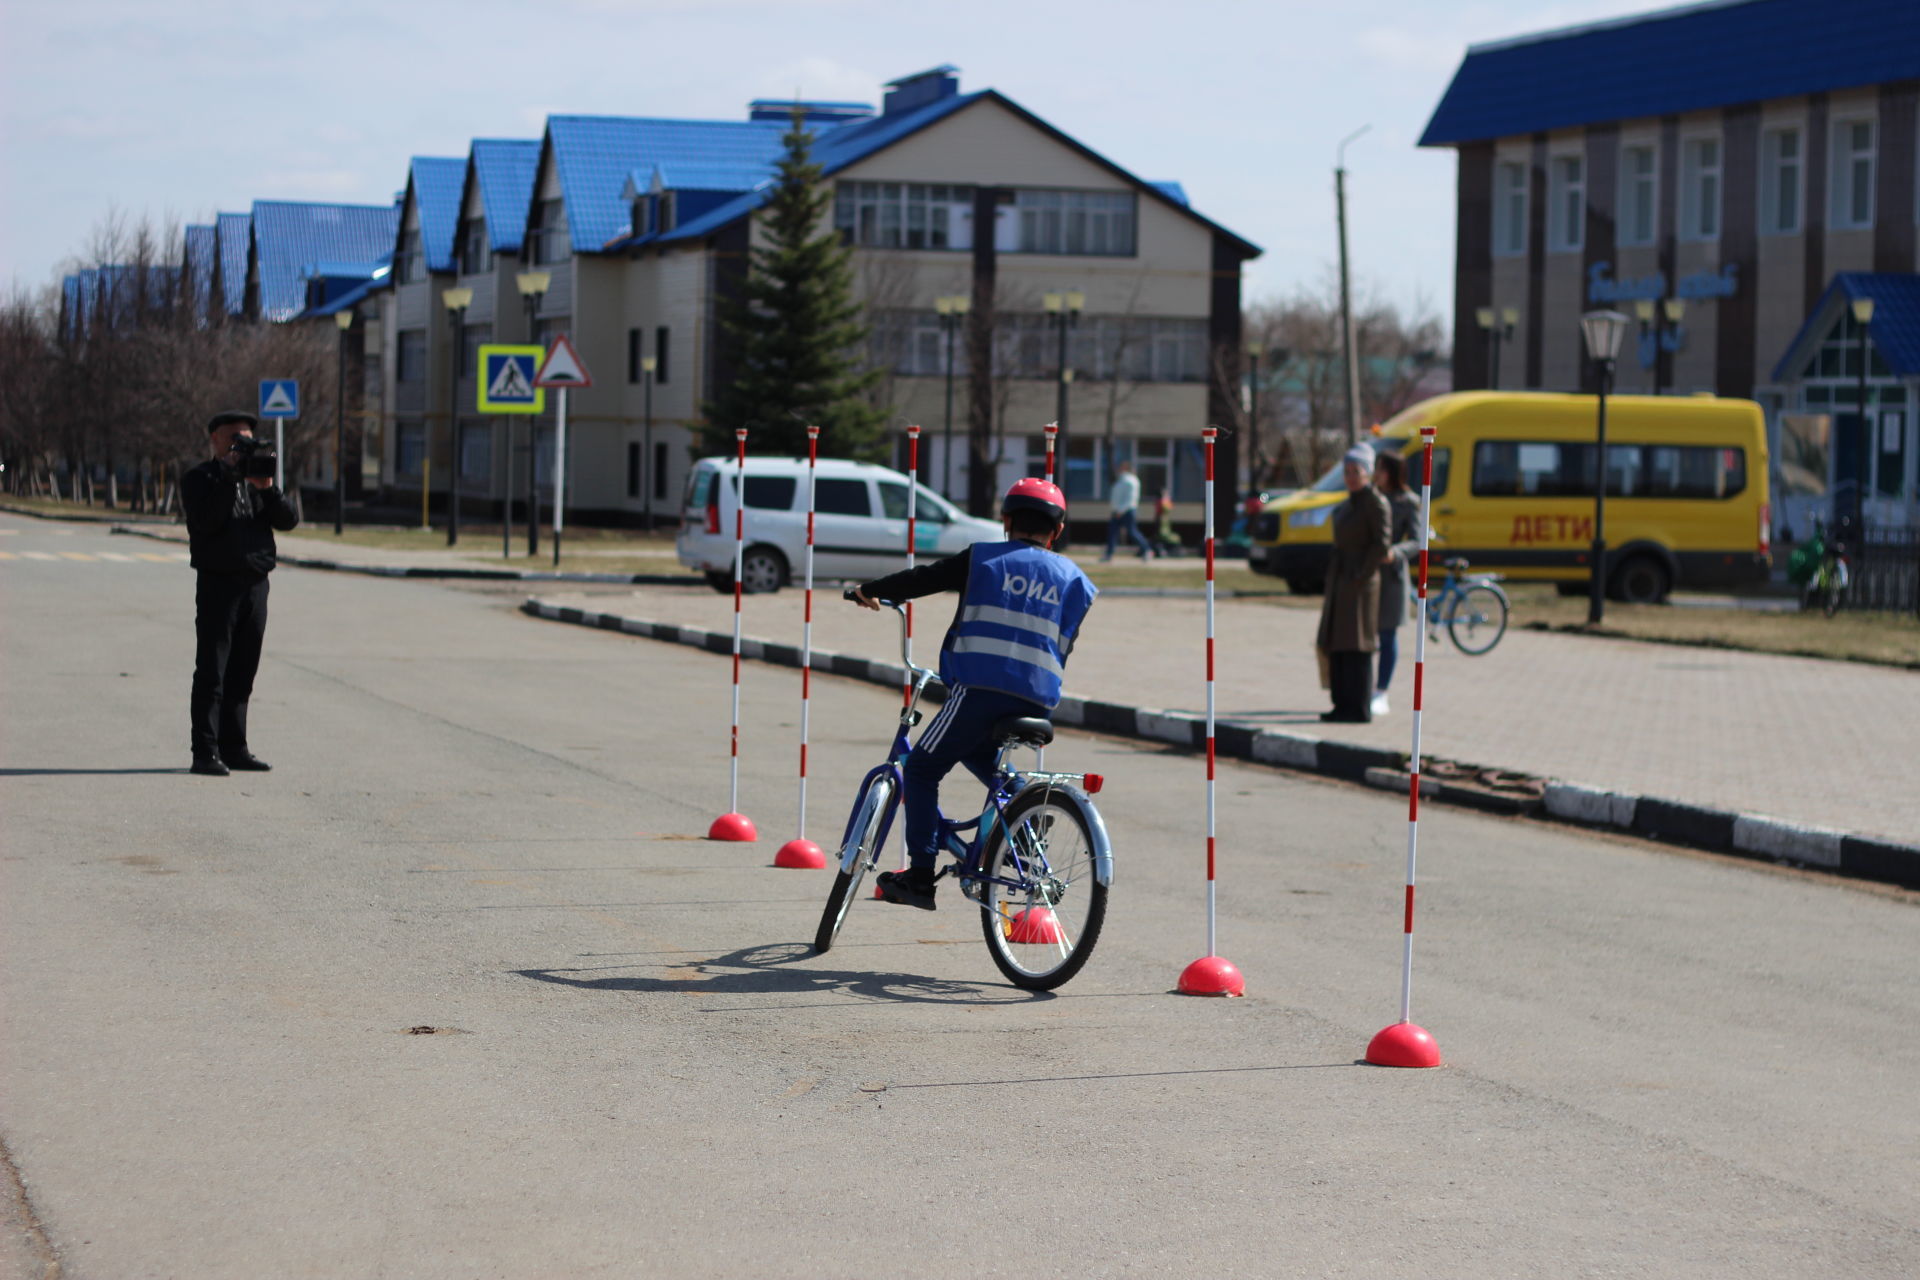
{"x":173,"y":110}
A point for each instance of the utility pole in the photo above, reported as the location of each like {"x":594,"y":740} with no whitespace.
{"x":1346,"y":290}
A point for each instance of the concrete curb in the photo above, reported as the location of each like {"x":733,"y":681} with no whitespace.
{"x":1668,"y":821}
{"x":476,"y":574}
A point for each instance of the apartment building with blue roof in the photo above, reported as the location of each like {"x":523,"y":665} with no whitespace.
{"x":199,"y":248}
{"x":642,"y":226}
{"x":293,"y":240}
{"x":233,"y":243}
{"x":1738,"y":176}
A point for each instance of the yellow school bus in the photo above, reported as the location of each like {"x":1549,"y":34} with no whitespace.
{"x":1513,"y":480}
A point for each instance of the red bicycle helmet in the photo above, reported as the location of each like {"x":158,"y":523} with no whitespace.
{"x":1035,"y":494}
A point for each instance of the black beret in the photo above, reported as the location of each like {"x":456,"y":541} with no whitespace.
{"x":220,"y":420}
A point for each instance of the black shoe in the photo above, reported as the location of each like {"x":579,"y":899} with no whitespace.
{"x":1344,"y":717}
{"x":209,"y":766}
{"x":245,"y":762}
{"x":910,"y":888}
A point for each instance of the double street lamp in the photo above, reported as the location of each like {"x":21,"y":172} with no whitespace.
{"x":1063,"y":312}
{"x":1603,"y":331}
{"x":343,"y":320}
{"x":1498,"y":326}
{"x":953,"y":310}
{"x":1862,"y":309}
{"x":647,"y":365}
{"x":457,"y":301}
{"x":532,"y":286}
{"x":1651,"y":314}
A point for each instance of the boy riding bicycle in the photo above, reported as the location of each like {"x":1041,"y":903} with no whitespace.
{"x":1021,"y":606}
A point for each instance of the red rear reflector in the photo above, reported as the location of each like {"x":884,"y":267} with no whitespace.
{"x":713,"y":516}
{"x":1766,"y":527}
{"x":1094,"y":783}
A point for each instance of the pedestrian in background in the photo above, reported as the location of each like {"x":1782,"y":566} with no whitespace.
{"x":230,"y":524}
{"x":1403,"y":532}
{"x":1350,"y":614}
{"x":1123,"y":506}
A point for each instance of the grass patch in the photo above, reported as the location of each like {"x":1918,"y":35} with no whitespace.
{"x":483,"y":536}
{"x":74,"y":510}
{"x":570,"y":563}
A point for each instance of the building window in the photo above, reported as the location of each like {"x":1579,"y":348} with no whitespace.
{"x":550,"y":242}
{"x":476,"y":450}
{"x":660,"y":336}
{"x":904,"y":215}
{"x":1780,"y":182}
{"x":410,"y":356}
{"x":409,"y":448}
{"x":636,"y":339}
{"x":476,"y":254}
{"x":472,"y":336}
{"x":659,"y":471}
{"x":1700,"y":189}
{"x":1852,"y":181}
{"x":1509,"y":209}
{"x":411,"y":267}
{"x":666,"y":212}
{"x":1639,"y":193}
{"x":633,"y":469}
{"x":1568,"y":202}
{"x":1081,"y":223}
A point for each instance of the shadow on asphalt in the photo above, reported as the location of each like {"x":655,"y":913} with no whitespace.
{"x":47,"y":773}
{"x":1129,"y":1075}
{"x":770,"y":970}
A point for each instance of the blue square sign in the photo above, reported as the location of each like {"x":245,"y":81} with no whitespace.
{"x":279,"y":398}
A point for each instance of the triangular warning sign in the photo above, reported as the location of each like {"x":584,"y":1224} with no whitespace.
{"x":278,"y":401}
{"x":563,"y":367}
{"x":510,"y":383}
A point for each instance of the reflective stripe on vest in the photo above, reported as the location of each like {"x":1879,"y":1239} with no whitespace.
{"x":1022,"y":608}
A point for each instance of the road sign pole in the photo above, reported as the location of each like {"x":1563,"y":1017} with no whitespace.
{"x":280,"y":454}
{"x":560,"y":477}
{"x":506,"y":493}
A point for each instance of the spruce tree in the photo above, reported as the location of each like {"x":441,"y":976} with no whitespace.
{"x":796,"y":331}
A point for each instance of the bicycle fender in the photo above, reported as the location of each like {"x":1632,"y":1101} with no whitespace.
{"x":1102,"y":845}
{"x":859,"y":797}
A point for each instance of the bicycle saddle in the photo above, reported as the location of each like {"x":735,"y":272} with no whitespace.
{"x":1030,"y":731}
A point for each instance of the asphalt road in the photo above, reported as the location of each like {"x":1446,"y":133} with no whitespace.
{"x":1657,"y":1064}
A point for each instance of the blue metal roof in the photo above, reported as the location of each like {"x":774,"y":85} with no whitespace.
{"x":435,"y":183}
{"x":235,"y":233}
{"x":288,"y":236}
{"x":347,"y":300}
{"x":1172,"y":191}
{"x":595,"y":155}
{"x":1894,"y":329}
{"x":688,"y":175}
{"x":504,"y":168}
{"x":1686,"y":59}
{"x":197,"y":261}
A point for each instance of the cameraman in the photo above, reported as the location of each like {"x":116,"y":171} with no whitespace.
{"x":232,"y":512}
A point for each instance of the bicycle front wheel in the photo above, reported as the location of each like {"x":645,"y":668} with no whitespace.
{"x":857,"y":856}
{"x":1478,"y":619}
{"x":1040,"y":905}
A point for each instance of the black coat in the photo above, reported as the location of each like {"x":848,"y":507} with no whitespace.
{"x":230,"y":523}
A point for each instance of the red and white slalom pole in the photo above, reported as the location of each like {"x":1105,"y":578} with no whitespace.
{"x":800,"y":853}
{"x":1403,"y":1044}
{"x":1212,"y":974}
{"x":1052,"y":431}
{"x":734,"y":825}
{"x":906,"y":688}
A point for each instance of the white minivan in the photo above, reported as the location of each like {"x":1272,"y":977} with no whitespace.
{"x":859,"y":530}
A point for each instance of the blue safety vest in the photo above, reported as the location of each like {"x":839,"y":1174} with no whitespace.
{"x":1022,"y":609}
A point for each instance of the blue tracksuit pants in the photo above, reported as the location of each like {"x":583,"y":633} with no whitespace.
{"x":960,"y":733}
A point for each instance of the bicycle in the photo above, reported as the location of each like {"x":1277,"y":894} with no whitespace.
{"x":1473,"y":609}
{"x":1832,"y":575}
{"x":1037,"y":860}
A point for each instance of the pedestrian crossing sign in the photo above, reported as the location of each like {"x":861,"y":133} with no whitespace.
{"x":506,"y":379}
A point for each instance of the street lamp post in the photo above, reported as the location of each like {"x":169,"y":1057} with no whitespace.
{"x":953,"y":312}
{"x":1498,"y":326}
{"x":647,"y":365}
{"x":1064,"y":311}
{"x":532,"y":286}
{"x":1603,"y":331}
{"x":1862,"y":309}
{"x":1255,"y":350}
{"x":344,"y":321}
{"x":457,"y":301}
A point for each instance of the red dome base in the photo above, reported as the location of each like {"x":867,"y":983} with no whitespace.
{"x":733,"y":826}
{"x":1403,"y":1045}
{"x":1212,"y":976}
{"x":800,"y":855}
{"x":1034,"y":925}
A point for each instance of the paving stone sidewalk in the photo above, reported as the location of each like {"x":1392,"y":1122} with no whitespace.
{"x":1830,"y":744}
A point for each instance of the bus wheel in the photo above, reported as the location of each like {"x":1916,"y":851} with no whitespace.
{"x":1641,"y":580}
{"x":1305,"y":586}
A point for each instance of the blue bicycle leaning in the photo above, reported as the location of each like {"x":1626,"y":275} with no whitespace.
{"x":1037,"y":859}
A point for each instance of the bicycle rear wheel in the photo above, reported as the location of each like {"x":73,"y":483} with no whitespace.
{"x":1040,"y":906}
{"x":857,"y":856}
{"x":1478,"y":619}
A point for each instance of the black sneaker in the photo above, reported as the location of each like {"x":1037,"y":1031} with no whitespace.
{"x":911,"y":888}
{"x":245,"y":761}
{"x":209,"y":766}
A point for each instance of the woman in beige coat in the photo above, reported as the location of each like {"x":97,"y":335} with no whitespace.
{"x":1350,"y":615}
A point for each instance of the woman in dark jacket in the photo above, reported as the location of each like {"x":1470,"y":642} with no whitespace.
{"x":1403,"y":531}
{"x":1350,"y":615}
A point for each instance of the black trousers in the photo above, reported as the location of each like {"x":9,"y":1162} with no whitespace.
{"x":229,"y":622}
{"x":1350,"y":676}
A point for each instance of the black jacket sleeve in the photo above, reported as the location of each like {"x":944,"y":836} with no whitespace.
{"x":949,"y":574}
{"x":279,"y":512}
{"x":208,"y":494}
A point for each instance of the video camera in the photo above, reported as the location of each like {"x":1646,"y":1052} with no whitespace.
{"x":253,"y":458}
